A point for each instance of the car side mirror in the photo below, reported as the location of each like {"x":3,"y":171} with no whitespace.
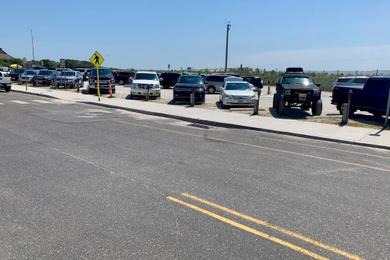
{"x":205,"y":82}
{"x":318,"y":85}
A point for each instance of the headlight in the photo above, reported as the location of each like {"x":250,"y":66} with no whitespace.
{"x":156,"y":86}
{"x":252,"y":97}
{"x":228,"y":96}
{"x":287,"y":92}
{"x":135,"y":85}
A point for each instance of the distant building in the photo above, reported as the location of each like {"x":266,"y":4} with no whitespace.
{"x":4,"y":55}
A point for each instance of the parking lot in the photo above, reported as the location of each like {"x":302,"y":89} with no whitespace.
{"x":330,"y":115}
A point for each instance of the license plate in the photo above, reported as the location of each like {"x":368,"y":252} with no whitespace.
{"x":302,"y":96}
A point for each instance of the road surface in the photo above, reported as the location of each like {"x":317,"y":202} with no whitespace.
{"x":84,"y":182}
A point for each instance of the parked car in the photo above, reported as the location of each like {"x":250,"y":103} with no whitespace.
{"x":257,"y":82}
{"x":214,"y":83}
{"x":169,"y":79}
{"x":27,"y":76}
{"x":106,"y":78}
{"x":371,"y":98}
{"x":5,"y":70}
{"x":5,"y":82}
{"x":15,"y":73}
{"x":188,"y":84}
{"x":84,"y":72}
{"x":146,"y":82}
{"x":68,"y":78}
{"x":237,"y":93}
{"x":124,"y":77}
{"x":295,"y":89}
{"x":350,"y":82}
{"x":44,"y":77}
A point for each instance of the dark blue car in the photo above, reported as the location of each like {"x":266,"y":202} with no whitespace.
{"x":372,"y":97}
{"x":188,"y":84}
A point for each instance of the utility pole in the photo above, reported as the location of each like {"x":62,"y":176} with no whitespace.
{"x":227,"y":45}
{"x":32,"y":46}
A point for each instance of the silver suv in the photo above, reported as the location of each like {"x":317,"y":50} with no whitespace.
{"x":214,"y":83}
{"x":356,"y":82}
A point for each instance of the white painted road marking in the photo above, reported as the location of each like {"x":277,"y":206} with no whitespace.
{"x":20,"y":102}
{"x":42,"y":101}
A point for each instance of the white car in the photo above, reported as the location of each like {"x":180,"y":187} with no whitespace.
{"x":5,"y":82}
{"x":144,"y":82}
{"x":237,"y":93}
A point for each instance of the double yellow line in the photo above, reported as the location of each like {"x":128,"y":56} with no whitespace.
{"x":262,"y":223}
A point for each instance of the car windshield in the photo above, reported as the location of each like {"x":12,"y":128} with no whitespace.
{"x":18,"y":71}
{"x":297,"y":80}
{"x":191,"y":79}
{"x":360,"y":80}
{"x":68,"y":73}
{"x":45,"y":73}
{"x":102,"y":73}
{"x":30,"y":72}
{"x":238,"y":86}
{"x":344,"y":80}
{"x":146,"y":76}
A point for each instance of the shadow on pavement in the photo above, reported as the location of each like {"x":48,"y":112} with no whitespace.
{"x":291,"y":113}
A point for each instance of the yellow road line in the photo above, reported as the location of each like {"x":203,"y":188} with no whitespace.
{"x":274,"y":227}
{"x":312,"y":145}
{"x":263,"y":148}
{"x":248,"y":229}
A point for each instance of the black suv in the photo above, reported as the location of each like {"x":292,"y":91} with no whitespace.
{"x":295,"y":89}
{"x":257,"y":82}
{"x":123,"y":77}
{"x":15,"y":73}
{"x":169,"y":79}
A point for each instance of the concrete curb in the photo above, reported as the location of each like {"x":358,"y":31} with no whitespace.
{"x":218,"y":124}
{"x":35,"y":94}
{"x":234,"y":126}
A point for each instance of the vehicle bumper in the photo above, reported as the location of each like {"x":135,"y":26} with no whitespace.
{"x":143,"y":92}
{"x":239,"y":102}
{"x":184,"y":96}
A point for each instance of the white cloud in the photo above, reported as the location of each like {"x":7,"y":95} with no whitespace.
{"x":355,"y":58}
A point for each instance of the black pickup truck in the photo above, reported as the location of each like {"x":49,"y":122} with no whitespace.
{"x":372,"y":97}
{"x":296,"y":89}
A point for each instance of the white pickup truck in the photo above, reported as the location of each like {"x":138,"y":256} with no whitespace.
{"x":5,"y":82}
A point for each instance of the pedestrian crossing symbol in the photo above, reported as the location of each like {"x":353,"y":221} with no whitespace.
{"x":96,"y":59}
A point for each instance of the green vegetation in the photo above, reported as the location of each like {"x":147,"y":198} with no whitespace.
{"x":271,"y":77}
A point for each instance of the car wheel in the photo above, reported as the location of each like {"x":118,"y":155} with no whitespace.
{"x":281,"y":106}
{"x":316,"y":108}
{"x":275,"y":101}
{"x":7,"y":88}
{"x":211,"y":90}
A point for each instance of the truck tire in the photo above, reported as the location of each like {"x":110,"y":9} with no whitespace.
{"x":211,"y":90}
{"x":275,"y":101}
{"x":7,"y":88}
{"x":281,"y":106}
{"x":316,"y":108}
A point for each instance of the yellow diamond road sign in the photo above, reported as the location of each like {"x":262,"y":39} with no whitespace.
{"x":97,"y":59}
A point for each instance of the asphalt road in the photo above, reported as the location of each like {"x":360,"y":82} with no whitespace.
{"x":84,"y":182}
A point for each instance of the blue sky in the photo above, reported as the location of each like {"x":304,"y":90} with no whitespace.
{"x":318,"y":35}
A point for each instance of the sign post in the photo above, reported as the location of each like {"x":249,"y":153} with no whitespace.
{"x":97,"y":60}
{"x":387,"y":112}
